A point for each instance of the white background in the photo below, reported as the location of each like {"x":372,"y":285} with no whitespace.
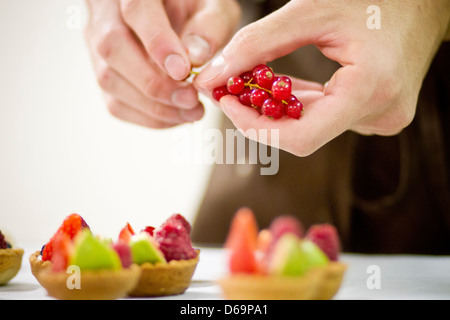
{"x":62,"y":152}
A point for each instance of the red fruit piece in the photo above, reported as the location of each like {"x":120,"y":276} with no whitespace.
{"x":272,"y":108}
{"x":220,"y":92}
{"x":149,"y":230}
{"x":245,"y":97}
{"x":124,"y":252}
{"x":242,"y":257}
{"x":180,"y":218}
{"x":243,"y":228}
{"x":264,"y":78}
{"x":126,"y":233}
{"x":294,"y":109}
{"x":326,"y":237}
{"x":71,"y":225}
{"x":258,"y":96}
{"x":281,"y":88}
{"x":258,"y":68}
{"x":235,"y":85}
{"x":284,"y":224}
{"x":62,"y":247}
{"x":174,"y":241}
{"x":3,"y":243}
{"x":247,"y":77}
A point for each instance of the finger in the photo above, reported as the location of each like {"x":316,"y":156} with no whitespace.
{"x":113,"y":83}
{"x":149,"y":21}
{"x":276,"y":35}
{"x":210,"y":27}
{"x":120,"y":50}
{"x":126,"y":113}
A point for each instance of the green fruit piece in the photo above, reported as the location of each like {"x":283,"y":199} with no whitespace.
{"x":313,"y":255}
{"x":288,"y":259}
{"x":145,"y":249}
{"x":92,"y":253}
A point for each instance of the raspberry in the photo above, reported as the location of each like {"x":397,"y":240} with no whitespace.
{"x":174,"y":241}
{"x":326,"y":237}
{"x":180,"y":218}
{"x":284,"y":224}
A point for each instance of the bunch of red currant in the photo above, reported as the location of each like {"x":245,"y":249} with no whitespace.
{"x":269,"y":94}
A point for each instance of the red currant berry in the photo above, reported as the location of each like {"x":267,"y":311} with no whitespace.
{"x":258,"y":68}
{"x":258,"y":96}
{"x":281,"y":89}
{"x":244,"y":97}
{"x":247,"y":77}
{"x":292,"y":98}
{"x":264,"y":78}
{"x":294,"y":109}
{"x":220,"y":92}
{"x":272,"y":108}
{"x":235,"y":85}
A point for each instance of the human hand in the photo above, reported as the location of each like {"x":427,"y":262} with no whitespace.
{"x":142,"y":50}
{"x":374,"y":92}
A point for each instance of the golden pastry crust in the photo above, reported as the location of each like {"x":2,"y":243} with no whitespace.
{"x":321,"y":283}
{"x":160,"y":279}
{"x":10,"y":263}
{"x":94,"y":285}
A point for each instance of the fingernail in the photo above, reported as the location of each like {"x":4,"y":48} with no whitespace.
{"x":192,"y":115}
{"x":198,"y":48}
{"x":176,"y":67}
{"x":212,"y":71}
{"x":185,"y":98}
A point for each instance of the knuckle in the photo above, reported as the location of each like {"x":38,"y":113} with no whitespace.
{"x":154,"y":88}
{"x":109,"y":40}
{"x":105,"y":78}
{"x":115,"y":108}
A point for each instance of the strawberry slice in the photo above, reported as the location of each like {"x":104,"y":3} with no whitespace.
{"x":126,"y":233}
{"x":242,"y":256}
{"x":62,"y":248}
{"x":243,"y":228}
{"x":71,"y":225}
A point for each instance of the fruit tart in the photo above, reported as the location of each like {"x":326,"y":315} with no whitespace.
{"x":281,"y":262}
{"x":165,"y":256}
{"x":10,"y":260}
{"x":75,"y":264}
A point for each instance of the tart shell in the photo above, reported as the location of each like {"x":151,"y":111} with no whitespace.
{"x":320,"y":283}
{"x":10,"y":263}
{"x":159,"y":279}
{"x":94,"y":284}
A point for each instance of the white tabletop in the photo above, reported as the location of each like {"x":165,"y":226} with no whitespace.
{"x":398,"y":277}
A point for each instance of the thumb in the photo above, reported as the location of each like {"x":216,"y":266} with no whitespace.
{"x":271,"y":37}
